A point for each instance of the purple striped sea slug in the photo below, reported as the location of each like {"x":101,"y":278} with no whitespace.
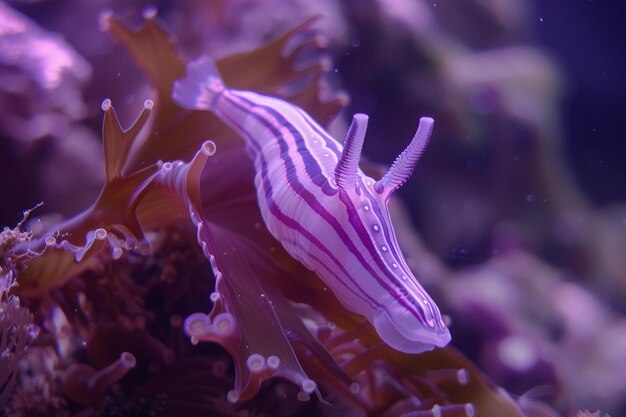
{"x":323,"y":209}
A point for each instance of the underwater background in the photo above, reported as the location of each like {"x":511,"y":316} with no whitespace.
{"x":136,"y":268}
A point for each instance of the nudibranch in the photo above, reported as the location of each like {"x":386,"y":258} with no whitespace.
{"x":323,"y":209}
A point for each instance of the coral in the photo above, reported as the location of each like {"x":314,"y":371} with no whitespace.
{"x":17,"y":330}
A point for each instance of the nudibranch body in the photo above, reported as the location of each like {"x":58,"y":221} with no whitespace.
{"x":323,"y":209}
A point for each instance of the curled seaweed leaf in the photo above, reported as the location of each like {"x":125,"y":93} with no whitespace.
{"x":111,"y":222}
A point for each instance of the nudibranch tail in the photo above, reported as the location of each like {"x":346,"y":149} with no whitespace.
{"x":348,"y":165}
{"x":403,"y":166}
{"x":201,"y":87}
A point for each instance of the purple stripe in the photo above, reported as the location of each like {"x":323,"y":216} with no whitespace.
{"x":293,"y":224}
{"x":357,"y":225}
{"x":406,"y":301}
{"x":393,"y":244}
{"x":329,"y":140}
{"x":310,"y":198}
{"x":311,"y":166}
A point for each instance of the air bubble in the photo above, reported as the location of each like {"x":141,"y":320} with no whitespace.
{"x":384,"y":248}
{"x":376,"y":228}
{"x":148,"y":104}
{"x":366,"y":208}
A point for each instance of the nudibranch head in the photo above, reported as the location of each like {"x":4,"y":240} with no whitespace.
{"x":402,"y":312}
